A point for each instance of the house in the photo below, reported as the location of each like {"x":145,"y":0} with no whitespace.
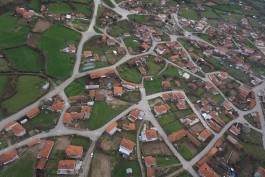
{"x":175,"y":136}
{"x":111,"y":42}
{"x":33,"y":142}
{"x":149,"y":161}
{"x":214,"y":126}
{"x":70,"y":49}
{"x":101,"y":74}
{"x":181,"y":105}
{"x":19,"y":130}
{"x":9,"y":126}
{"x":162,"y":109}
{"x":57,"y":106}
{"x":66,"y":167}
{"x":207,"y":53}
{"x":208,"y":85}
{"x":145,"y":46}
{"x":135,"y":114}
{"x":112,"y":128}
{"x":92,"y":94}
{"x":234,"y":142}
{"x":150,"y":172}
{"x":221,"y":50}
{"x":205,"y":134}
{"x":130,"y":126}
{"x":166,"y":85}
{"x":117,"y":91}
{"x":149,"y":135}
{"x":216,"y":118}
{"x":223,"y":75}
{"x":129,"y":85}
{"x":73,"y":151}
{"x":227,"y":106}
{"x":41,"y":164}
{"x":33,"y":112}
{"x":86,"y":110}
{"x":28,"y":14}
{"x":234,"y":130}
{"x":87,"y":53}
{"x":126,"y":147}
{"x":46,"y":150}
{"x":190,"y":120}
{"x":8,"y":157}
{"x":142,"y":70}
{"x":206,"y":171}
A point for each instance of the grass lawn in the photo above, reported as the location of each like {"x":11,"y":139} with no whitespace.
{"x":188,"y":13}
{"x":120,"y":168}
{"x":59,"y":8}
{"x":165,"y":37}
{"x":217,"y":98}
{"x":12,"y":34}
{"x":172,"y":127}
{"x":29,"y":88}
{"x":24,"y":59}
{"x":3,"y":144}
{"x":249,"y":118}
{"x":57,"y":37}
{"x":86,"y":10}
{"x":46,"y":120}
{"x":99,"y":117}
{"x":132,"y":42}
{"x":138,"y":18}
{"x":153,"y":86}
{"x":164,"y":161}
{"x":3,"y":83}
{"x":206,"y":38}
{"x":130,"y":74}
{"x":253,"y":137}
{"x":184,"y":151}
{"x":74,"y":89}
{"x":183,"y":113}
{"x":166,"y":119}
{"x":134,"y":96}
{"x":225,"y":118}
{"x":81,"y":141}
{"x":153,"y":67}
{"x":35,"y":5}
{"x":121,"y":27}
{"x":22,"y":167}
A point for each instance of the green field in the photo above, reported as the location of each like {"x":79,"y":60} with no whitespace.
{"x":153,"y":67}
{"x":22,"y":167}
{"x":132,"y":42}
{"x":120,"y":168}
{"x":109,"y":3}
{"x":172,"y":127}
{"x":58,"y":64}
{"x":185,"y":152}
{"x":29,"y":88}
{"x":130,"y":74}
{"x":164,"y":161}
{"x":12,"y":34}
{"x":86,"y":10}
{"x":3,"y":83}
{"x":134,"y":96}
{"x":59,"y":8}
{"x":3,"y":144}
{"x":24,"y":59}
{"x":35,"y":5}
{"x":102,"y":113}
{"x":45,"y":120}
{"x":188,"y":13}
{"x":138,"y":18}
{"x":74,"y":89}
{"x":121,"y":27}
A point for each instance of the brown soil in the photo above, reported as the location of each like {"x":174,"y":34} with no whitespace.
{"x":197,"y":128}
{"x":107,"y":143}
{"x":62,"y":143}
{"x":41,"y":26}
{"x":33,"y":40}
{"x":156,"y":148}
{"x":191,"y":147}
{"x":101,"y":165}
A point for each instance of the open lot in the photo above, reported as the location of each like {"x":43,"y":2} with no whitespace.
{"x":99,"y":117}
{"x":58,"y":64}
{"x":29,"y":88}
{"x":156,"y":148}
{"x":74,"y":89}
{"x":101,"y":165}
{"x":59,"y":8}
{"x":121,"y":27}
{"x":121,"y":166}
{"x":41,"y":26}
{"x":24,"y":59}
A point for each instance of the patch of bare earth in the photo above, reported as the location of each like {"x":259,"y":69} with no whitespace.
{"x":156,"y":148}
{"x":33,"y":40}
{"x":41,"y":26}
{"x":62,"y":143}
{"x":107,"y":143}
{"x":101,"y":165}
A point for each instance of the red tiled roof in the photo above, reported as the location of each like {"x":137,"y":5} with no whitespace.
{"x":66,"y":164}
{"x":151,"y":133}
{"x":46,"y":149}
{"x":175,"y":136}
{"x":206,"y":133}
{"x":41,"y":164}
{"x":8,"y":156}
{"x":72,"y":150}
{"x":18,"y":129}
{"x":33,"y":142}
{"x":161,"y":108}
{"x":57,"y":106}
{"x":149,"y":160}
{"x":33,"y":112}
{"x":130,"y":126}
{"x":207,"y":171}
{"x":117,"y":90}
{"x":128,"y":144}
{"x":111,"y":127}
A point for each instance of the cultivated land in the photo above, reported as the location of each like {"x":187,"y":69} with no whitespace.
{"x":216,"y":62}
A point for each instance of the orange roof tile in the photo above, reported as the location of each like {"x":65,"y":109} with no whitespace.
{"x":161,"y":108}
{"x":57,"y":106}
{"x":117,"y":90}
{"x":206,"y":133}
{"x":72,"y":150}
{"x":180,"y":95}
{"x":86,"y":109}
{"x":175,"y":136}
{"x":18,"y":129}
{"x":46,"y":149}
{"x":10,"y":124}
{"x":33,"y":142}
{"x":150,"y":172}
{"x":130,"y":126}
{"x":92,"y":93}
{"x":128,"y":144}
{"x":207,"y":171}
{"x":8,"y":156}
{"x":149,"y":160}
{"x":102,"y":73}
{"x":234,"y":130}
{"x":151,"y":134}
{"x":41,"y":164}
{"x":33,"y":112}
{"x":111,"y":127}
{"x":66,"y":164}
{"x":67,"y":118}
